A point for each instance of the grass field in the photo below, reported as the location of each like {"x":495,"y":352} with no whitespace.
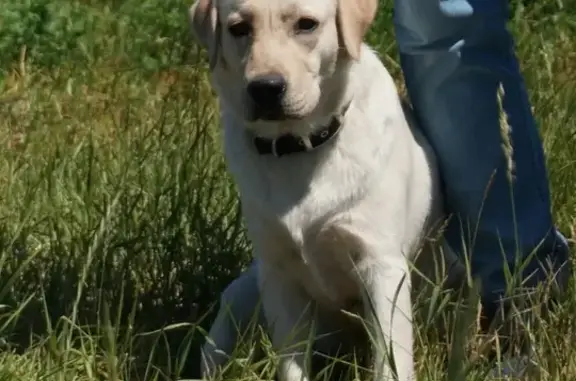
{"x":119,"y":225}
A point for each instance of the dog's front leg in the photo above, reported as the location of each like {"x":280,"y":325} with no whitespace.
{"x":290,"y":316}
{"x":239,"y":308}
{"x":388,"y":313}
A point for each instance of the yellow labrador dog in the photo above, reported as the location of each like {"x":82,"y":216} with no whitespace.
{"x":338,"y":190}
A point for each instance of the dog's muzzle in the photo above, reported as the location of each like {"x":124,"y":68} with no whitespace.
{"x":266,"y":93}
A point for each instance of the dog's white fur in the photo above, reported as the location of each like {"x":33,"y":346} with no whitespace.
{"x":342,"y":222}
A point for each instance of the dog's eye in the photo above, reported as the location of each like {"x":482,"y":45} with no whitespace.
{"x":240,"y":29}
{"x":306,"y":25}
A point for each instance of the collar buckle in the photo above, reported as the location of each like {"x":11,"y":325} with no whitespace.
{"x":274,"y":147}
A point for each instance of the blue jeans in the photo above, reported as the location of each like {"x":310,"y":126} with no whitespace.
{"x":454,"y":55}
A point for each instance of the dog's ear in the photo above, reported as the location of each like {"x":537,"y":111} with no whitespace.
{"x":354,"y":19}
{"x":205,"y":26}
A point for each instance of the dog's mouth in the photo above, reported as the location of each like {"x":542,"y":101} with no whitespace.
{"x":271,"y":114}
{"x":275,"y":114}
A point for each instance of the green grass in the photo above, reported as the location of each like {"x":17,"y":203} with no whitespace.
{"x":119,"y":225}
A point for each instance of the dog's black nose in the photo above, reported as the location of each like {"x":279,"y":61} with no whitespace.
{"x":267,"y":91}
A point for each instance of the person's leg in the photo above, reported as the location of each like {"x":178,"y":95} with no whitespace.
{"x":454,"y":55}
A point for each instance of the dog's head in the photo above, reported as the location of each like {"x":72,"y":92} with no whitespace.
{"x":272,"y":60}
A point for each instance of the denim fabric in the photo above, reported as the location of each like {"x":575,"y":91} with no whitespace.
{"x":455,"y":54}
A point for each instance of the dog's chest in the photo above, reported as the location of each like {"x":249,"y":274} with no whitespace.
{"x":293,"y":213}
{"x":312,"y":250}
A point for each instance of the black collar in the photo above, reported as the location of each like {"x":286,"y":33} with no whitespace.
{"x":289,"y":144}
